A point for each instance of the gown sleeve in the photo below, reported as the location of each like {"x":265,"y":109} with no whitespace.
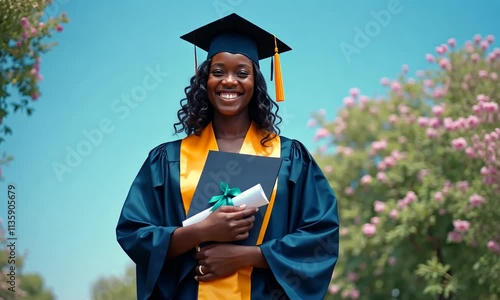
{"x":303,"y":260}
{"x":141,"y":229}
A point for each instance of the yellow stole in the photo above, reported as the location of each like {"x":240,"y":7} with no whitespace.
{"x":194,"y":152}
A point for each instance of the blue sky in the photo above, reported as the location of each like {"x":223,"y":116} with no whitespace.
{"x":112,"y":87}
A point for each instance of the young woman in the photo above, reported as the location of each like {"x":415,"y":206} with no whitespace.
{"x":227,"y":108}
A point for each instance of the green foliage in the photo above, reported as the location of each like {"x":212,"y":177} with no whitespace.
{"x":116,"y":288}
{"x":418,"y":177}
{"x":24,"y":31}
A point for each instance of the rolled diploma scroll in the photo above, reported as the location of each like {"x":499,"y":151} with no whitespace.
{"x":253,"y":197}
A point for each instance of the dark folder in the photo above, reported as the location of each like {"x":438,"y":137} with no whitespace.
{"x":237,"y":170}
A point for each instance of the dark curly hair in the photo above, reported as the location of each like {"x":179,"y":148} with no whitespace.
{"x":196,"y":111}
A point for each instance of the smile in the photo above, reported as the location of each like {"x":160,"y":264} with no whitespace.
{"x":228,"y":96}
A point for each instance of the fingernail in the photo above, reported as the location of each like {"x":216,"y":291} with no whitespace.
{"x":196,"y":278}
{"x":256,"y":209}
{"x":243,"y":205}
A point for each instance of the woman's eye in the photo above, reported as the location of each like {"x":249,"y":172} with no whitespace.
{"x":217,"y":72}
{"x":243,"y":74}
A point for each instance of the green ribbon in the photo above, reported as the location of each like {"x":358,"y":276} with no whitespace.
{"x":225,"y":198}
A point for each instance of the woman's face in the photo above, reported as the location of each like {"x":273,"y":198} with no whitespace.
{"x":230,"y":83}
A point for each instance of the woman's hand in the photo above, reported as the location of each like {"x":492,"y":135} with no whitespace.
{"x":219,"y":260}
{"x":228,"y":223}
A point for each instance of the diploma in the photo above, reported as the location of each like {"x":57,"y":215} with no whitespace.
{"x":253,"y":197}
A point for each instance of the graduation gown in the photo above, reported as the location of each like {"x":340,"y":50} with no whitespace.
{"x":300,"y":244}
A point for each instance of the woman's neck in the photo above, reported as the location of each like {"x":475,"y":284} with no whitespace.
{"x":230,"y":128}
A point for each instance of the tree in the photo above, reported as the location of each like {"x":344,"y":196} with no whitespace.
{"x":24,"y":29}
{"x":116,"y":288}
{"x":418,"y":177}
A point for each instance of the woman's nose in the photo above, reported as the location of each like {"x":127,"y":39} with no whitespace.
{"x":229,"y":80}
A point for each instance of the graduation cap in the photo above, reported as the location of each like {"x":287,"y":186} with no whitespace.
{"x":241,"y":171}
{"x":237,"y":35}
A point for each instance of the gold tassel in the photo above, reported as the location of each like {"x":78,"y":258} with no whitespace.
{"x":278,"y":80}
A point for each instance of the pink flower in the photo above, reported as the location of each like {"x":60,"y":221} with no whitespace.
{"x":354,"y":294}
{"x":352,"y":277}
{"x":381,"y":166}
{"x":411,"y":196}
{"x":344,"y":231}
{"x":420,"y":73}
{"x":396,"y":86}
{"x":493,"y":246}
{"x":349,"y":191}
{"x":462,"y":186}
{"x":382,"y":177}
{"x":24,"y":22}
{"x":393,"y":214}
{"x":490,"y":107}
{"x":375,"y":220}
{"x":328,"y":169}
{"x":59,"y":28}
{"x":473,"y":121}
{"x":452,"y":42}
{"x":438,"y":93}
{"x":429,"y":57}
{"x":354,"y":92}
{"x":438,"y":196}
{"x":422,"y":173}
{"x":322,"y":112}
{"x":461,"y":225}
{"x":391,"y":261}
{"x":321,"y":133}
{"x":403,"y":109}
{"x":366,"y":179}
{"x":333,"y":289}
{"x":493,"y":76}
{"x":379,"y":145}
{"x":311,"y":123}
{"x":35,"y":96}
{"x":438,"y":110}
{"x":445,"y":64}
{"x":483,"y":74}
{"x":469,"y":47}
{"x":349,"y":101}
{"x":442,"y":211}
{"x":459,"y":143}
{"x":455,"y":237}
{"x":432,"y":133}
{"x":435,"y":122}
{"x":490,"y":38}
{"x":393,"y":119}
{"x":423,"y":121}
{"x":384,"y":81}
{"x":484,"y":45}
{"x":477,"y":38}
{"x":475,"y":57}
{"x":476,"y":200}
{"x":389,"y":161}
{"x":404,"y":68}
{"x":428,"y":83}
{"x":482,"y":98}
{"x":369,"y":229}
{"x":440,"y":50}
{"x":378,"y":206}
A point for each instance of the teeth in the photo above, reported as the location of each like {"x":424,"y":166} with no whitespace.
{"x":229,"y":95}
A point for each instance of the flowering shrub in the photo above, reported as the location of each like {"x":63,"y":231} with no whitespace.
{"x":24,"y":31}
{"x":23,"y":27}
{"x":418,"y":175}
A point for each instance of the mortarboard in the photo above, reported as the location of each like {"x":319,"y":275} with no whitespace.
{"x":238,"y":171}
{"x":235,"y":34}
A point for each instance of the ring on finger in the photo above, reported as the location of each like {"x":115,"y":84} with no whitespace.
{"x":200,"y":270}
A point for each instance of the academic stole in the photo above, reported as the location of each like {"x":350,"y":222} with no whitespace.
{"x":194,"y":152}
